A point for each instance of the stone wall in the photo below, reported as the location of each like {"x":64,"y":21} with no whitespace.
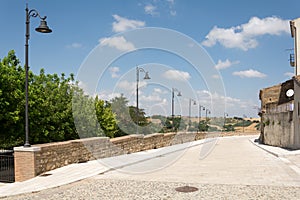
{"x":35,"y":160}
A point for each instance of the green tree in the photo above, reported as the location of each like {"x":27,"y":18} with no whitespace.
{"x":106,"y":117}
{"x":50,"y":107}
{"x":127,"y":118}
{"x":12,"y":101}
{"x":203,"y":126}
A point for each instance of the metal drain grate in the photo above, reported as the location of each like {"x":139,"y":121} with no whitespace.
{"x":186,"y":189}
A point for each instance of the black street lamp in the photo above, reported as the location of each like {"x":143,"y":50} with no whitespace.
{"x":190,"y":105}
{"x":203,"y":108}
{"x":244,"y":116}
{"x":147,"y":77}
{"x":207,"y":112}
{"x":225,"y":115}
{"x":43,"y":28}
{"x":179,"y":95}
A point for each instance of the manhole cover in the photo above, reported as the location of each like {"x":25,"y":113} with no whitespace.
{"x":186,"y":189}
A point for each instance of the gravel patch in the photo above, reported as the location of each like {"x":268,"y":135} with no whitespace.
{"x":128,"y":189}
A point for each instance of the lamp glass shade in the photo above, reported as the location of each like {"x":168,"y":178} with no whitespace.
{"x":43,"y":28}
{"x":147,"y":76}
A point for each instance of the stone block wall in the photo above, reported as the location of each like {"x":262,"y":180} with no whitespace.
{"x":35,"y":160}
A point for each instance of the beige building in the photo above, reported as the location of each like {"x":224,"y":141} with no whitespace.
{"x":295,"y":32}
{"x":280,"y":104}
{"x":280,"y":114}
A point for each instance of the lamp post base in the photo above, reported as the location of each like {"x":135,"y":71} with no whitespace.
{"x":27,"y":144}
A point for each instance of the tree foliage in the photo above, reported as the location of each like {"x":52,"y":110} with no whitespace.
{"x":52,"y":99}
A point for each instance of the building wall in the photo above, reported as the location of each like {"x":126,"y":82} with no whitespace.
{"x":278,"y":129}
{"x":280,"y":124}
{"x":296,"y":115}
{"x":295,"y":30}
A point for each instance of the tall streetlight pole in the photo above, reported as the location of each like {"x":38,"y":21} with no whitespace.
{"x":244,"y":116}
{"x":225,"y":115}
{"x":203,"y":108}
{"x":190,"y":105}
{"x":207,"y":112}
{"x":43,"y":28}
{"x":147,"y":77}
{"x":179,"y":95}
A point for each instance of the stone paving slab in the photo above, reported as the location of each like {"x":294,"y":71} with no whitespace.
{"x":77,"y":172}
{"x":234,"y":165}
{"x":233,"y":160}
{"x":110,"y":189}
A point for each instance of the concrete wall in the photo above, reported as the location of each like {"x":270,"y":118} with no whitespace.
{"x":278,"y":129}
{"x":35,"y":160}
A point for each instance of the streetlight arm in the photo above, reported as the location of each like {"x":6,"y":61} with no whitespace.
{"x":34,"y":13}
{"x":141,"y":69}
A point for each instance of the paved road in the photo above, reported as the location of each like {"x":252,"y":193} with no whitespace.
{"x":234,"y":169}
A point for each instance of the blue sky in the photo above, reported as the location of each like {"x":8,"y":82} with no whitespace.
{"x":246,"y":42}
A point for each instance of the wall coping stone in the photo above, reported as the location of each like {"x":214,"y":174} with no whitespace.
{"x":171,"y":133}
{"x":154,"y":135}
{"x":89,"y":139}
{"x":28,"y":149}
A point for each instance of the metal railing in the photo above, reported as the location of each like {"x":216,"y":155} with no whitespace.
{"x":7,"y":168}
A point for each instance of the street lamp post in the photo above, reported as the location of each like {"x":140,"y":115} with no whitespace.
{"x":179,"y":95}
{"x":147,"y":77}
{"x":244,"y":116}
{"x":199,"y":119}
{"x":225,"y":115}
{"x":43,"y":28}
{"x":207,"y":112}
{"x":190,"y":105}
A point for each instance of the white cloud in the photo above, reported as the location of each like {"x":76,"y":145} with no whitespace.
{"x":151,"y":98}
{"x":107,"y":96}
{"x":114,"y":72}
{"x":118,"y":42}
{"x":160,"y":91}
{"x":173,"y":12}
{"x":130,"y":86}
{"x":74,"y":45}
{"x":234,"y":106}
{"x":289,"y":74}
{"x":244,"y":36}
{"x":215,"y":76}
{"x":123,"y":24}
{"x":171,"y":1}
{"x":150,"y":9}
{"x":249,"y":74}
{"x":225,"y":64}
{"x":176,"y":75}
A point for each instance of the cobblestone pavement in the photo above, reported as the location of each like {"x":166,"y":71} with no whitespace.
{"x":235,"y":169}
{"x":128,"y":189}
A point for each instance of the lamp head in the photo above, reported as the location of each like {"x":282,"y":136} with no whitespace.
{"x":43,"y":28}
{"x":179,"y":94}
{"x":195,"y":103}
{"x":147,"y":77}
